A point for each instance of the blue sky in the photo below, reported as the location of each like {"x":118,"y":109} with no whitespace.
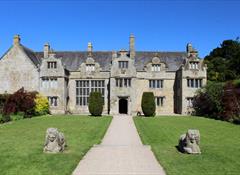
{"x":157,"y":25}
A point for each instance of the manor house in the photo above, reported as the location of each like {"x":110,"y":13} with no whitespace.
{"x":68,"y":77}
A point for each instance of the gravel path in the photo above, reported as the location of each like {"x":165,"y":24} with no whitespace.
{"x":120,"y":153}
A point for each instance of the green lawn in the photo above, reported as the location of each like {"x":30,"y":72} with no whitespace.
{"x":21,"y":144}
{"x":220,"y":145}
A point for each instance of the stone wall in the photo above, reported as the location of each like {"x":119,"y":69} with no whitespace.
{"x":17,"y":70}
{"x":60,"y":91}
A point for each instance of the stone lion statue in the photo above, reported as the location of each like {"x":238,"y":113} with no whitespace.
{"x":189,"y":142}
{"x":55,"y":141}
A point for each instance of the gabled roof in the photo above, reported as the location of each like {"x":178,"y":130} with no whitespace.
{"x":31,"y":54}
{"x":72,"y":60}
{"x":173,"y":60}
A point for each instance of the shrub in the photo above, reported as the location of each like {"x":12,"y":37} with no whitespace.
{"x":219,"y":101}
{"x":95,"y":105}
{"x":20,"y":101}
{"x":208,"y":101}
{"x":1,"y":118}
{"x":41,"y":105}
{"x":6,"y":118}
{"x":17,"y":116}
{"x":148,"y":104}
{"x":3,"y":99}
{"x":231,"y":103}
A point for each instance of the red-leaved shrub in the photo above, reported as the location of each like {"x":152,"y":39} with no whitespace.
{"x":20,"y":101}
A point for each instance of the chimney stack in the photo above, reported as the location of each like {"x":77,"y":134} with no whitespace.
{"x":46,"y":50}
{"x":114,"y":54}
{"x":90,"y":49}
{"x":189,"y":48}
{"x":132,"y":46}
{"x":16,"y":40}
{"x":191,"y":51}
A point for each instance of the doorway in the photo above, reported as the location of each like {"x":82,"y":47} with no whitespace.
{"x":123,"y":106}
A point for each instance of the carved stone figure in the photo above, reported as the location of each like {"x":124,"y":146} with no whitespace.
{"x":189,"y":142}
{"x":55,"y":141}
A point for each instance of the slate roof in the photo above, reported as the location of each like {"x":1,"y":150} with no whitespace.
{"x":31,"y":54}
{"x":173,"y":60}
{"x":72,"y":60}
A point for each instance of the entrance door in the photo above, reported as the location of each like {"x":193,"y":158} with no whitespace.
{"x":123,"y":106}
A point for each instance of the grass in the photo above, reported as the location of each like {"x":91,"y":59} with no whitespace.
{"x":21,"y":144}
{"x":220,"y":145}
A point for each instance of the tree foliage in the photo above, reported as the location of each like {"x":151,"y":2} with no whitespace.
{"x":95,"y":104}
{"x":148,"y":104}
{"x":219,"y":101}
{"x":223,"y":62}
{"x":208,"y":101}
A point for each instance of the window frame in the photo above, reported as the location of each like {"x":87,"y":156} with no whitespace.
{"x":52,"y":64}
{"x":159,"y":101}
{"x":156,"y":83}
{"x":123,"y":64}
{"x":156,"y":67}
{"x":85,"y":87}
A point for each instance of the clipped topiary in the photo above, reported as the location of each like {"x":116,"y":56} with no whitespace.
{"x":41,"y":105}
{"x":148,"y":104}
{"x":95,"y":105}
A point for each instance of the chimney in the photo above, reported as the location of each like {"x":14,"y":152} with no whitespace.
{"x":191,"y":51}
{"x":46,"y":50}
{"x":114,"y":54}
{"x":90,"y":49}
{"x":189,"y":48}
{"x":16,"y":40}
{"x":132,"y":46}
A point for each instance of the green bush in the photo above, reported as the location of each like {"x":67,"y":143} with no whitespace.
{"x":41,"y":105}
{"x":3,"y":99}
{"x":208,"y":100}
{"x":218,"y":100}
{"x":95,"y":104}
{"x":148,"y":104}
{"x":6,"y":118}
{"x":17,"y":116}
{"x":1,"y":118}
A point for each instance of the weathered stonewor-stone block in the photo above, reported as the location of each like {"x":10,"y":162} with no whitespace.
{"x":189,"y":142}
{"x":55,"y":141}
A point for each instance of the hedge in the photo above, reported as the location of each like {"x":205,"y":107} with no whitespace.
{"x":148,"y":104}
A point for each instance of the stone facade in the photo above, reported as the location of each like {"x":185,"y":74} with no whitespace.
{"x":67,"y":78}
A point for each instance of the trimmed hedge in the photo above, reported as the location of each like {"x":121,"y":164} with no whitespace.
{"x":148,"y":104}
{"x":95,"y":105}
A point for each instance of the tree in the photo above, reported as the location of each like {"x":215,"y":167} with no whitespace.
{"x":208,"y":101}
{"x":148,"y":104}
{"x":95,"y":105}
{"x":222,"y":61}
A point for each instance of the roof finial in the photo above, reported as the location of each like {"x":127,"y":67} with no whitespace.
{"x":90,"y":49}
{"x":16,"y":40}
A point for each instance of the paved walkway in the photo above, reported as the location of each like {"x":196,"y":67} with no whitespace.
{"x":120,"y":153}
